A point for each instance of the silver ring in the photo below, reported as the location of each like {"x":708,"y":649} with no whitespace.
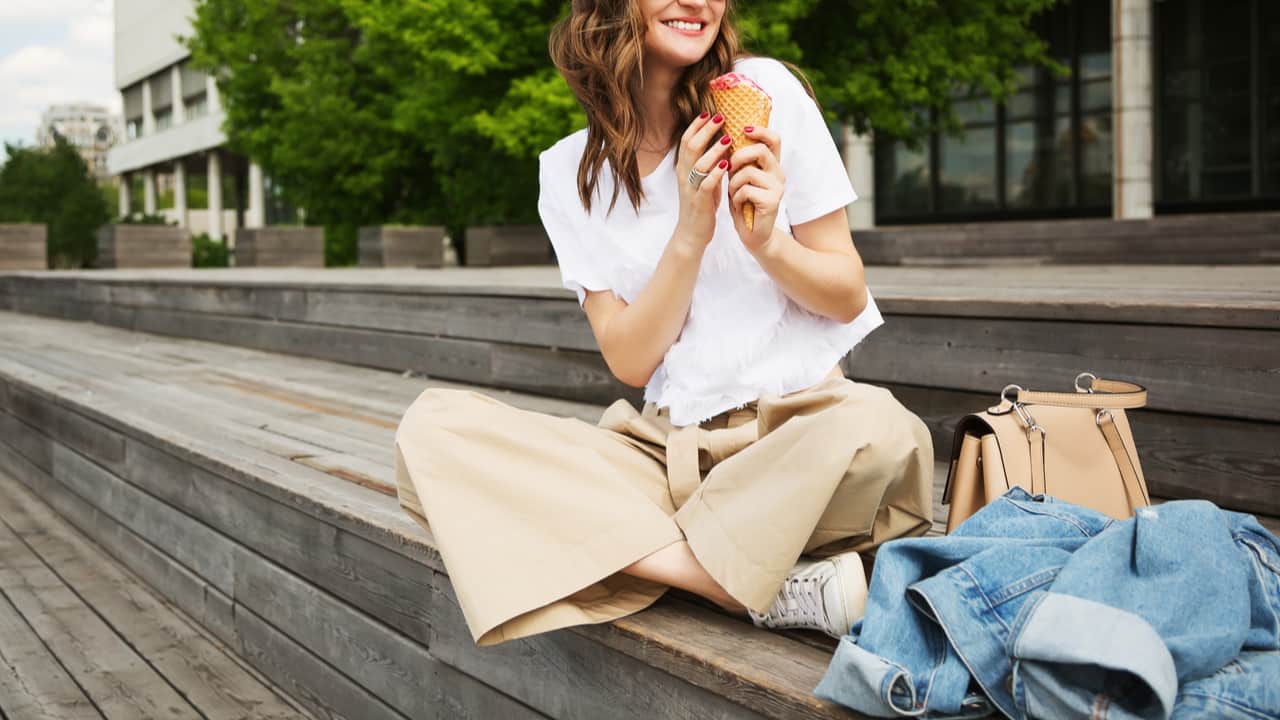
{"x":696,"y":178}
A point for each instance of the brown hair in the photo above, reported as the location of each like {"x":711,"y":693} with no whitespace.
{"x":599,"y":49}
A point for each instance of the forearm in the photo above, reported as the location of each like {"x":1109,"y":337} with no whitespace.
{"x":637,"y":338}
{"x":829,"y":283}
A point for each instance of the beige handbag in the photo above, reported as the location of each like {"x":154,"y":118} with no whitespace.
{"x":1074,"y":446}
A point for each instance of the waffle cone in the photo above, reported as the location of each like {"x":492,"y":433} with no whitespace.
{"x":742,"y":104}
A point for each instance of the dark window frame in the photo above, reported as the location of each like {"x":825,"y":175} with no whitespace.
{"x":1077,"y":207}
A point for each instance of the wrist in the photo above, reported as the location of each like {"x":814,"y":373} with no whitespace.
{"x":772,"y":248}
{"x":688,"y":244}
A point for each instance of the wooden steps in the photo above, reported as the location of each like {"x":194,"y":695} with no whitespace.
{"x":251,"y":491}
{"x":82,"y":637}
{"x":1205,"y":340}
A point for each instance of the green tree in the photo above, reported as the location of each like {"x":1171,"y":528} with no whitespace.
{"x":53,"y":186}
{"x":371,"y":111}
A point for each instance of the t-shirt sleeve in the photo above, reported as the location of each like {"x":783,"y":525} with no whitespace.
{"x":816,"y":179}
{"x":566,"y":229}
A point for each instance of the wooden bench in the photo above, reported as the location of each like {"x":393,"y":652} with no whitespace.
{"x":254,"y":491}
{"x":82,"y":637}
{"x":1205,"y":340}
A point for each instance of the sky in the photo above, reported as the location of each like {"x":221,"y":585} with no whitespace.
{"x":52,"y":52}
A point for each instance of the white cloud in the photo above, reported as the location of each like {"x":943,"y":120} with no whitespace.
{"x":52,"y":51}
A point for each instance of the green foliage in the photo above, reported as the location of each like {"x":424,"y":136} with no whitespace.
{"x":340,"y":244}
{"x":206,"y":252}
{"x":434,"y":111}
{"x":142,"y":218}
{"x":53,"y":186}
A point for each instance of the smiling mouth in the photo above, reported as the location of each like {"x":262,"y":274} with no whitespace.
{"x":685,"y":27}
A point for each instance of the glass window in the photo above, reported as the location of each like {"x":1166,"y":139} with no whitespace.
{"x":902,"y":179}
{"x":967,"y":170}
{"x":164,"y":119}
{"x":1047,"y":150}
{"x":1213,"y":60}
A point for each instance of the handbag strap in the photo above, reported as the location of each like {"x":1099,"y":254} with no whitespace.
{"x":1102,"y":395}
{"x":1134,"y":489}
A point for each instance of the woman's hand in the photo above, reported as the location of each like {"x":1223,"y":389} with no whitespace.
{"x":698,"y":203}
{"x":757,"y":178}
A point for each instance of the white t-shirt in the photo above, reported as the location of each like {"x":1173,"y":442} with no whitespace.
{"x":743,"y":337}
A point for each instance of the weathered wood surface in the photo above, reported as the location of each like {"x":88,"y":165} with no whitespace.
{"x":128,"y":652}
{"x":489,"y":245}
{"x":24,"y":246}
{"x":401,"y":246}
{"x":121,"y":417}
{"x":33,"y":683}
{"x":280,"y":246}
{"x":1200,"y":338}
{"x":143,"y":246}
{"x":216,"y":684}
{"x":320,"y":543}
{"x":1222,"y":238}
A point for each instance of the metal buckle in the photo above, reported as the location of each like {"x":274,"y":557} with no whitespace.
{"x":1098,"y":418}
{"x":1004,"y":394}
{"x":1027,"y":419}
{"x":1089,"y":387}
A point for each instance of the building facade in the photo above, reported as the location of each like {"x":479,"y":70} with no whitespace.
{"x":1169,"y":106}
{"x":173,"y":126}
{"x":91,"y":129}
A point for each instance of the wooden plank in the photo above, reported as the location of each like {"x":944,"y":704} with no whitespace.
{"x":33,"y":683}
{"x":390,"y":666}
{"x":324,"y":691}
{"x":1210,"y":371}
{"x":565,"y":675}
{"x":308,"y":679}
{"x":715,"y":651}
{"x":447,"y":690}
{"x":198,"y":599}
{"x":204,"y":674}
{"x":120,"y":683}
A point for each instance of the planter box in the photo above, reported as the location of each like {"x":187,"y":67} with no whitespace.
{"x":401,"y":246}
{"x":507,"y":245}
{"x":281,"y":246}
{"x":143,"y":246}
{"x":23,"y":246}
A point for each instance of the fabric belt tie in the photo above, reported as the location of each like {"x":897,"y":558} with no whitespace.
{"x":693,"y":449}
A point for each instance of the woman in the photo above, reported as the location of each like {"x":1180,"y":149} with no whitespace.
{"x":752,"y":447}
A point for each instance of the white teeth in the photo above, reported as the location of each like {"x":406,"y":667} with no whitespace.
{"x":681,"y":25}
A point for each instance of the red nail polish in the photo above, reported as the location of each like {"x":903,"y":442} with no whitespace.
{"x":749,"y":128}
{"x":724,"y":164}
{"x":703,"y":116}
{"x":726,"y":140}
{"x":718,"y":118}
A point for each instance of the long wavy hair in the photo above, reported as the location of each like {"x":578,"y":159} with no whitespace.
{"x":599,"y":49}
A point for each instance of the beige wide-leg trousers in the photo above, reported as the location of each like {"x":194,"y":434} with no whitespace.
{"x":535,"y":515}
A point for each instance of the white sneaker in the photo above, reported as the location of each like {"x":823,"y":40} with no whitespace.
{"x":827,"y":595}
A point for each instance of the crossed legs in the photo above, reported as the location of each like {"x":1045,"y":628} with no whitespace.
{"x":675,"y":565}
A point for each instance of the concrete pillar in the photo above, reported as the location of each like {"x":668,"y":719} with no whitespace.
{"x":211,"y":94}
{"x":859,"y":162}
{"x":149,"y":191}
{"x":179,"y":107}
{"x":125,"y":195}
{"x":215,"y":196}
{"x":256,"y":214}
{"x":1132,"y":194}
{"x":148,"y":116}
{"x":180,"y":190}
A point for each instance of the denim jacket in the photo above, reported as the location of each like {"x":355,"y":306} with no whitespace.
{"x":1040,"y":608}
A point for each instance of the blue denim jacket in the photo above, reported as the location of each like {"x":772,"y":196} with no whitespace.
{"x":1040,"y":608}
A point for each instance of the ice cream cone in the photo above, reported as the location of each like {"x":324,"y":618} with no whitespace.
{"x":742,"y":102}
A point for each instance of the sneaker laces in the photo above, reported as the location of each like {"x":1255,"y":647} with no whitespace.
{"x":798,"y":605}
